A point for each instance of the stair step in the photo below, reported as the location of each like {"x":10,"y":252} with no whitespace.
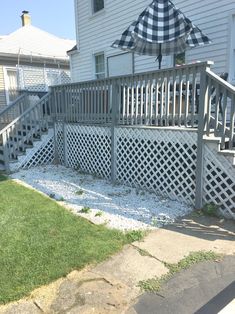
{"x":214,"y":139}
{"x":228,"y":152}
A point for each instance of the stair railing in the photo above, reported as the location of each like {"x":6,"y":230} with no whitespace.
{"x":220,"y":110}
{"x":22,"y":130}
{"x":14,"y":110}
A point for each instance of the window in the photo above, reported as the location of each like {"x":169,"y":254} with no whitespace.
{"x":97,"y":5}
{"x":99,"y":66}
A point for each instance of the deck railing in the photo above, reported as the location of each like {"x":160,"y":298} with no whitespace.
{"x":15,"y":137}
{"x":220,"y":110}
{"x":14,"y":110}
{"x":161,"y":98}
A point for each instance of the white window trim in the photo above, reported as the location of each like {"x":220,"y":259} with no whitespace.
{"x":100,"y":12}
{"x":231,"y":50}
{"x":6,"y":81}
{"x":94,"y":65}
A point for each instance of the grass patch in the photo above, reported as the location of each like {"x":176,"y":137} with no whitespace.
{"x":2,"y":177}
{"x":40,"y":241}
{"x":155,"y":284}
{"x":135,"y":235}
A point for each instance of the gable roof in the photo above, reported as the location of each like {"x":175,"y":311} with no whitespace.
{"x":32,"y":41}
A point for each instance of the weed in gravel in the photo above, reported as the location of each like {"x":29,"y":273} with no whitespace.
{"x":155,"y":284}
{"x":85,"y":210}
{"x":61,"y":199}
{"x":99,"y":214}
{"x":210,"y":210}
{"x":79,"y":192}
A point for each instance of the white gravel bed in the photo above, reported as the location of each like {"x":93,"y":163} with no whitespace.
{"x":117,"y":206}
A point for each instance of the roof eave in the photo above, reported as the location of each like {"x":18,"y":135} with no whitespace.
{"x":33,"y":59}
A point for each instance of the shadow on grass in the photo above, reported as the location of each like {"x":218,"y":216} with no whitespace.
{"x":205,"y":227}
{"x":3,"y":177}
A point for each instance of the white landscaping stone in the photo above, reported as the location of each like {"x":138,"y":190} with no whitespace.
{"x":119,"y":206}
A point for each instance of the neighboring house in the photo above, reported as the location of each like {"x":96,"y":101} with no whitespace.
{"x":100,"y":22}
{"x":31,"y":59}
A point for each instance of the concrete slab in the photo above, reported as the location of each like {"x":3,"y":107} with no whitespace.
{"x":173,"y":243}
{"x":131,"y":267}
{"x":208,"y":294}
{"x":21,"y":307}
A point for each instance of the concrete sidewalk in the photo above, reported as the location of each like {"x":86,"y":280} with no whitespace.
{"x":112,"y":287}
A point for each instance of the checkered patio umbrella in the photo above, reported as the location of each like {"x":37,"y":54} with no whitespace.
{"x":161,"y":29}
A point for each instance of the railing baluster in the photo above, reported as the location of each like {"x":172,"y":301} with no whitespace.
{"x":186,"y":113}
{"x":180,"y":100}
{"x":224,"y":117}
{"x":156,"y":100}
{"x":232,"y":122}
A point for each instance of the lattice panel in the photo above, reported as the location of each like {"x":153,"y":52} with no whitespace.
{"x":41,"y":154}
{"x":89,"y":149}
{"x":219,"y":182}
{"x":59,"y":142}
{"x":160,"y":161}
{"x":38,"y":79}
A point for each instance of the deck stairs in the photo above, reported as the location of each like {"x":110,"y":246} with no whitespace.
{"x":20,"y":134}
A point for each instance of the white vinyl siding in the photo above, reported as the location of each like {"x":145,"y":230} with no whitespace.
{"x":2,"y":90}
{"x":97,"y":33}
{"x":213,"y":18}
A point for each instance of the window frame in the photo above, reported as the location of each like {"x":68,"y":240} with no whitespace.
{"x":93,"y":7}
{"x":96,"y":73}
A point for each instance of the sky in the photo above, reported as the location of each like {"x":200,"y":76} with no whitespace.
{"x":53,"y":16}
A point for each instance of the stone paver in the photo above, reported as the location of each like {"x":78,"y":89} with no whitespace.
{"x":131,"y":267}
{"x":21,"y":307}
{"x":171,"y":245}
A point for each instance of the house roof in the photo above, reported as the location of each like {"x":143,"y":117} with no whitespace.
{"x":72,"y":50}
{"x":32,"y":41}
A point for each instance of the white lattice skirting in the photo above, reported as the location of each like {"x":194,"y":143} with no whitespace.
{"x":160,"y":160}
{"x":87,"y":148}
{"x":42,"y":153}
{"x":219,"y":181}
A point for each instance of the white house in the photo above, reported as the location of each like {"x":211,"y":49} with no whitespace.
{"x":31,"y":59}
{"x":100,"y":22}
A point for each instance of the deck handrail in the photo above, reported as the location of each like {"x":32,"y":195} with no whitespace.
{"x":220,"y":110}
{"x":14,"y":109}
{"x":25,"y":113}
{"x":167,"y":97}
{"x":182,"y":67}
{"x":35,"y":118}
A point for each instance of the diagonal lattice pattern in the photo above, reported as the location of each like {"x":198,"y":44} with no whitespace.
{"x":89,"y":149}
{"x":42,"y":153}
{"x":59,"y":142}
{"x":163,"y":161}
{"x":219,"y":182}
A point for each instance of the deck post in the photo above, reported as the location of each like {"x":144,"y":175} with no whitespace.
{"x":113,"y":131}
{"x":5,"y":152}
{"x":202,"y":114}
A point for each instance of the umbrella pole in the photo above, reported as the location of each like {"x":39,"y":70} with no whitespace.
{"x":159,"y":58}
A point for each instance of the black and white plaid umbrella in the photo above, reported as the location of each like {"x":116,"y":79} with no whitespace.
{"x":161,"y":29}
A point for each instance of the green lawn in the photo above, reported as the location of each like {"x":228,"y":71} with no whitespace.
{"x":40,"y":241}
